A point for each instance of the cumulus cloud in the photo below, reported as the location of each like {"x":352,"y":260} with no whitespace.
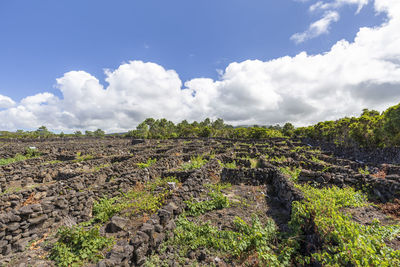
{"x":316,"y":28}
{"x":302,"y":89}
{"x":330,"y":15}
{"x":6,"y":102}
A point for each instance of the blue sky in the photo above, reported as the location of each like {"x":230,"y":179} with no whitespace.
{"x":41,"y":40}
{"x":53,"y":52}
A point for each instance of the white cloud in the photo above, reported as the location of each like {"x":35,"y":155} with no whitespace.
{"x":6,"y":102}
{"x":321,"y":5}
{"x":316,"y":28}
{"x":302,"y":89}
{"x":331,"y":15}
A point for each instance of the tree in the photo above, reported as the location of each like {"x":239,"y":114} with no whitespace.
{"x":99,"y":133}
{"x":288,"y":129}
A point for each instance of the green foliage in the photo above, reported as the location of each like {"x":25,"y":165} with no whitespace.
{"x":146,"y":164}
{"x":163,"y":129}
{"x":229,"y":165}
{"x":364,"y":171}
{"x":80,"y":157}
{"x":370,"y":129}
{"x":105,"y":208}
{"x":16,"y":158}
{"x":146,"y":198}
{"x":288,"y":129}
{"x":275,"y":159}
{"x":99,"y":133}
{"x":51,"y":162}
{"x":30,"y":152}
{"x":345,"y":242}
{"x":391,"y":125}
{"x":293,"y":173}
{"x":217,"y":201}
{"x":317,"y":160}
{"x":244,"y":240}
{"x":77,"y":245}
{"x":194,"y":163}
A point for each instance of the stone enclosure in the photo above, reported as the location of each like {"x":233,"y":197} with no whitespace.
{"x":60,"y":187}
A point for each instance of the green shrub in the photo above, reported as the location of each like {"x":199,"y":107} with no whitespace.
{"x":194,"y":163}
{"x":76,"y":245}
{"x":345,"y":242}
{"x":142,"y":198}
{"x":146,"y":164}
{"x":293,"y":173}
{"x":364,"y":171}
{"x":229,"y":165}
{"x":29,"y":154}
{"x":105,"y":208}
{"x":244,"y":240}
{"x":80,"y":157}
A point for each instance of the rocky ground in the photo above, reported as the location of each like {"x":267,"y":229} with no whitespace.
{"x":201,"y":202}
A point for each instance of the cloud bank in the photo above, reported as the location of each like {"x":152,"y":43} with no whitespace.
{"x":302,"y":89}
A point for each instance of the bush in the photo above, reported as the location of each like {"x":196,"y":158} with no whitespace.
{"x":76,"y":245}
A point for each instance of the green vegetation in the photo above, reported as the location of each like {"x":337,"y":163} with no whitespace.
{"x":371,"y":129}
{"x":254,"y":163}
{"x":29,"y":153}
{"x":317,"y":160}
{"x":98,"y":168}
{"x":194,"y":163}
{"x":16,"y":158}
{"x":364,"y":171}
{"x":146,"y":164}
{"x":80,"y":157}
{"x":163,"y":129}
{"x":245,"y":239}
{"x":293,"y":173}
{"x":217,"y":201}
{"x":228,"y":165}
{"x":11,"y":190}
{"x":146,"y":198}
{"x":345,"y":242}
{"x":77,"y":245}
{"x":275,"y":159}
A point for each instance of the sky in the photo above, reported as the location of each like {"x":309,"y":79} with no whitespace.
{"x":82,"y":65}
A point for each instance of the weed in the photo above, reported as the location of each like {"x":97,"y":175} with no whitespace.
{"x":317,"y":160}
{"x":146,"y":198}
{"x":292,"y":172}
{"x":229,"y":165}
{"x":29,"y":154}
{"x":51,"y":162}
{"x":245,"y":239}
{"x":275,"y":159}
{"x":146,"y":164}
{"x":80,"y":157}
{"x":217,"y":201}
{"x":364,"y":171}
{"x":77,"y":245}
{"x":346,"y":242}
{"x":194,"y":163}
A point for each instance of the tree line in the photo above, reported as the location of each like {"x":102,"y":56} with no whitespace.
{"x":370,"y":129}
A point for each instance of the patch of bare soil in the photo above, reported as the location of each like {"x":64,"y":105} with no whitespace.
{"x":366,"y":215}
{"x":245,"y":201}
{"x":392,"y":208}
